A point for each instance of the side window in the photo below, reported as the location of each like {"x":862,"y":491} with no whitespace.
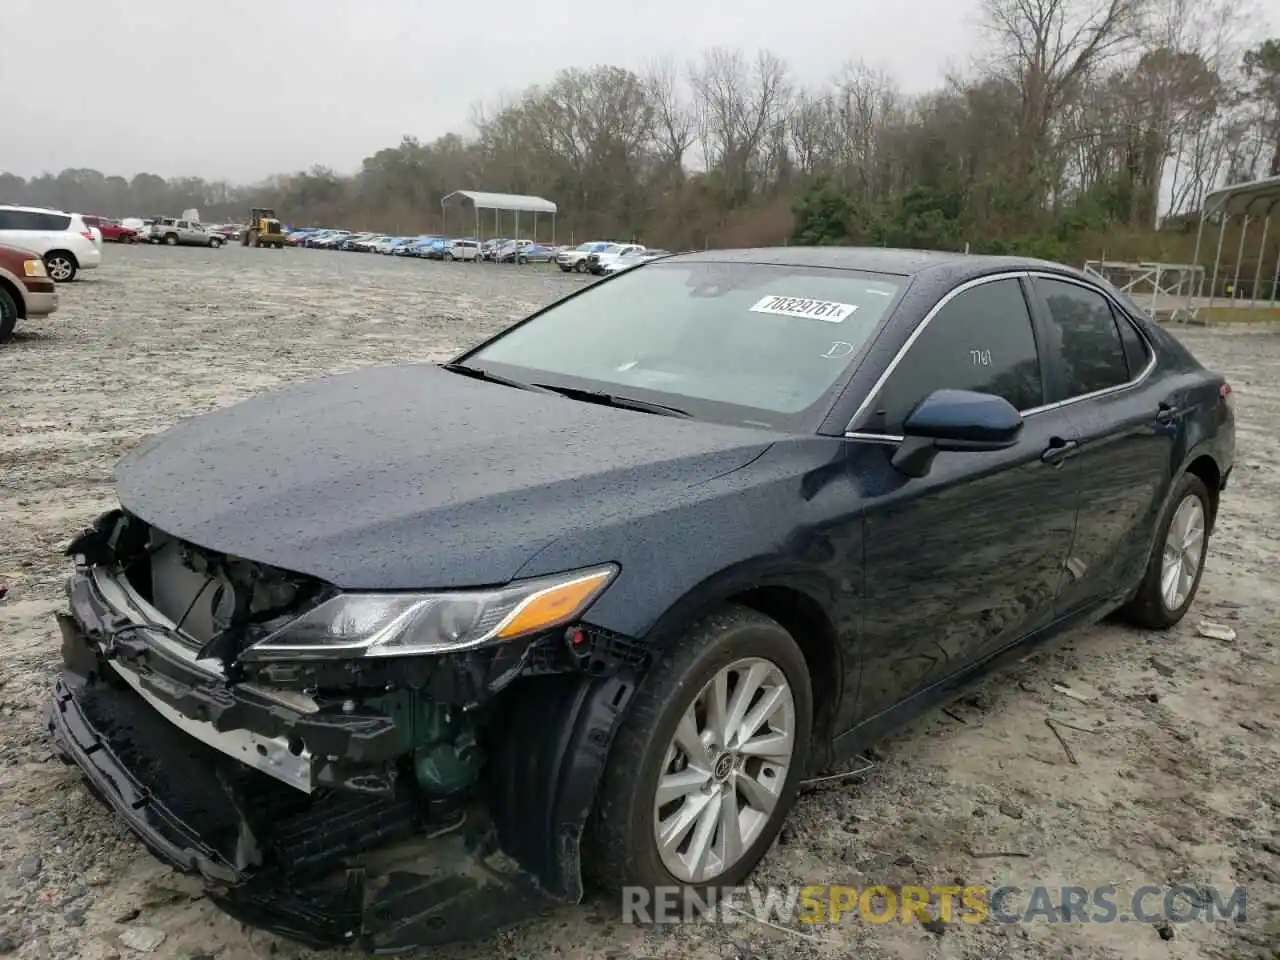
{"x":1136,"y":352}
{"x":19,"y":220}
{"x":981,"y":340}
{"x":1085,"y":337}
{"x":51,"y":221}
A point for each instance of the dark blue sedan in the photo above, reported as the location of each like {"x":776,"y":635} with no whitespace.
{"x":595,"y":598}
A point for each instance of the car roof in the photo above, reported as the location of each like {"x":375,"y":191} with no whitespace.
{"x":25,"y":209}
{"x":886,"y":260}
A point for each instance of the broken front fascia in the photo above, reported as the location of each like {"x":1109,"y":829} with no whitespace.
{"x":340,"y":690}
{"x":315,"y":867}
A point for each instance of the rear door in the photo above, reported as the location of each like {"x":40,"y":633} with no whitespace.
{"x":968,"y":559}
{"x":1100,"y":366}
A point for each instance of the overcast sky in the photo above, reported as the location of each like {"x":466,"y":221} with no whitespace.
{"x":238,"y":89}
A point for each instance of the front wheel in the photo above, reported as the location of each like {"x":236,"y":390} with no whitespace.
{"x":708,"y":761}
{"x":215,"y":243}
{"x":580,"y":267}
{"x":1177,"y":558}
{"x":8,"y":315}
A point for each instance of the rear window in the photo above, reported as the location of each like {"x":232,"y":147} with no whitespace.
{"x":770,"y":341}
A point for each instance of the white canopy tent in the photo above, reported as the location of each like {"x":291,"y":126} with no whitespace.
{"x":500,"y":203}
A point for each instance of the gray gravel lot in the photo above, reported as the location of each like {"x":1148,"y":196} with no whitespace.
{"x":1177,"y":778}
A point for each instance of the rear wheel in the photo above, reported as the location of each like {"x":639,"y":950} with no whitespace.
{"x":215,"y":242}
{"x":1177,"y":558}
{"x":707,"y":763}
{"x":62,"y":266}
{"x":8,"y":314}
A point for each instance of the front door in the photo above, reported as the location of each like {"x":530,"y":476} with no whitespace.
{"x":967,"y":559}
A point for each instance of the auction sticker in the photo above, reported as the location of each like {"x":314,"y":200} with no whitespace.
{"x":805,"y":309}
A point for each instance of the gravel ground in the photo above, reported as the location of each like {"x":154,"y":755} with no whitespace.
{"x":1177,"y":779}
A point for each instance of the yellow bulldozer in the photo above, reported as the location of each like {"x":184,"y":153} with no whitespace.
{"x":263,"y":230}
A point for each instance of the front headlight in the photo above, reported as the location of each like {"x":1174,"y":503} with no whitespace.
{"x":398,"y":624}
{"x":34,"y":268}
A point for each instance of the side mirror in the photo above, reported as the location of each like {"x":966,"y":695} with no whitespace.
{"x":955,"y":420}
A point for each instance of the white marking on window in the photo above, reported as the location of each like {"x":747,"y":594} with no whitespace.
{"x":805,"y":309}
{"x":838,"y":349}
{"x":878,"y":293}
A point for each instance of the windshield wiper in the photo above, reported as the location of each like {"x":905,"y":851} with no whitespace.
{"x":477,"y":374}
{"x":613,"y":400}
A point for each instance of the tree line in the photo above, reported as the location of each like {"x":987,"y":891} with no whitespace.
{"x":1078,"y":120}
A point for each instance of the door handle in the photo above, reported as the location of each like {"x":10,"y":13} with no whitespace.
{"x":1167,"y":413}
{"x":1058,"y":450}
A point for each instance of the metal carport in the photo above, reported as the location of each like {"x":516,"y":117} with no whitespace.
{"x":1254,"y":201}
{"x":500,"y":203}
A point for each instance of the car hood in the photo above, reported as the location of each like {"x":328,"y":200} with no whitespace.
{"x":409,"y":476}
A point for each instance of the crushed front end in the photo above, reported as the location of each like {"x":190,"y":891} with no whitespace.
{"x":396,"y":800}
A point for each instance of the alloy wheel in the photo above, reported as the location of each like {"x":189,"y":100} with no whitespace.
{"x":1183,"y":552}
{"x":724,"y":770}
{"x":59,"y":268}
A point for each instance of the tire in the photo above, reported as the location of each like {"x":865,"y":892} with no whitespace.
{"x":621,"y":846}
{"x":1151,"y":606}
{"x":448,"y":258}
{"x":171,"y":239}
{"x":62,"y":266}
{"x":522,"y":260}
{"x":215,"y":243}
{"x":8,"y":315}
{"x":580,"y":267}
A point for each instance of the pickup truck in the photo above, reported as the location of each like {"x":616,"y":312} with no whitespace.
{"x":173,"y":232}
{"x":575,"y":258}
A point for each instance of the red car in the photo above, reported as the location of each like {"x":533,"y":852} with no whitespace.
{"x":113,"y":231}
{"x":25,"y":289}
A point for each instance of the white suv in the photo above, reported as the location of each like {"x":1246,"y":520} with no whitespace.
{"x":63,"y":240}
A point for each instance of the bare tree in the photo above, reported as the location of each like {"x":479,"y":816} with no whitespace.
{"x":741,"y":103}
{"x":1049,"y":48}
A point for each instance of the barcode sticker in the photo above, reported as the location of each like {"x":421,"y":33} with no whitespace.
{"x":805,"y":309}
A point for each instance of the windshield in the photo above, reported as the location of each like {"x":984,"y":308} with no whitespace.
{"x":733,"y":342}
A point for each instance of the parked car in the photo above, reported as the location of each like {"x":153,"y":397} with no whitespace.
{"x":600,"y":259}
{"x":466,"y":250}
{"x":488,"y":248}
{"x":632,"y":259}
{"x":576,"y":259}
{"x":331,"y":240}
{"x":438,"y":249}
{"x":680,"y":542}
{"x":113,"y":231}
{"x":26,"y":289}
{"x":356,"y":240}
{"x":536,"y":253}
{"x":63,"y":240}
{"x":509,"y":251}
{"x":173,"y":232}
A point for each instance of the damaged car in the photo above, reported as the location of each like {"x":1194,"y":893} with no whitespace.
{"x":401,"y":656}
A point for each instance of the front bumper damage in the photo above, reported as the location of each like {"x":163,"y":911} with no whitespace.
{"x":281,"y":808}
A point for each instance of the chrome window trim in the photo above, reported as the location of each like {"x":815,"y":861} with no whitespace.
{"x":1121,"y":314}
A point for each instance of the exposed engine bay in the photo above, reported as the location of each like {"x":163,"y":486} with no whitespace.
{"x":332,"y":800}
